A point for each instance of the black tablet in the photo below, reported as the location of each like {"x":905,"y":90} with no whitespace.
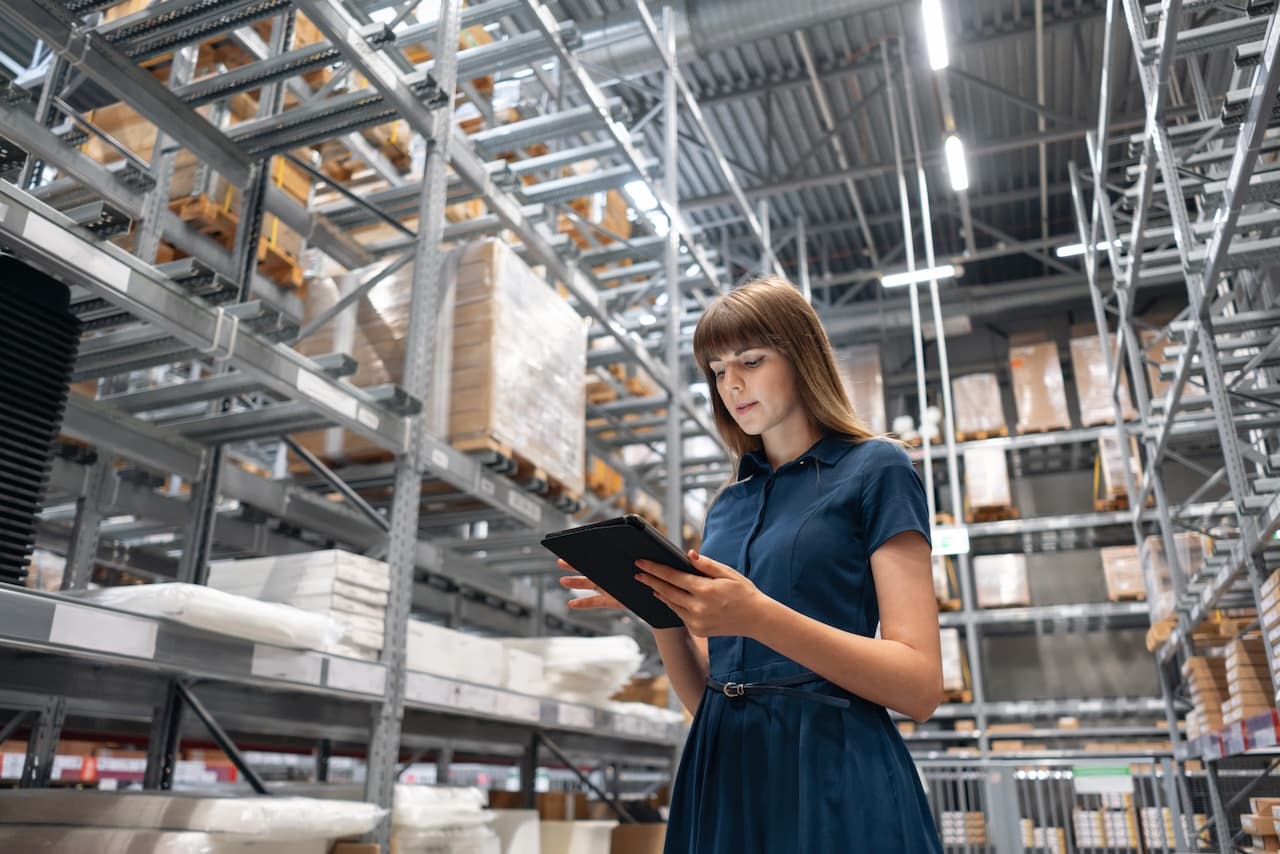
{"x":606,"y":552}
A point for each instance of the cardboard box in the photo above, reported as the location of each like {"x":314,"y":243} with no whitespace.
{"x":1122,"y":567}
{"x":1001,"y":580}
{"x":978,"y":407}
{"x":1090,"y":359}
{"x":953,"y":667}
{"x":638,"y":839}
{"x":1111,"y":460}
{"x":863,"y":380}
{"x":1039,"y":392}
{"x":986,"y":478}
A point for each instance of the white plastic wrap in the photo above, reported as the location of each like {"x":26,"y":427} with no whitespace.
{"x":278,"y":579}
{"x":434,"y":807}
{"x":977,"y":404}
{"x":986,"y":478}
{"x":864,"y":383}
{"x":648,"y":711}
{"x":20,"y":839}
{"x":268,"y":819}
{"x":453,"y":840}
{"x":455,"y":655}
{"x":1001,"y":580}
{"x":1039,"y":392}
{"x":225,"y":613}
{"x":584,"y":670}
{"x":1089,"y":358}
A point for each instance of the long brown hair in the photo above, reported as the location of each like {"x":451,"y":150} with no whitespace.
{"x":770,"y":312}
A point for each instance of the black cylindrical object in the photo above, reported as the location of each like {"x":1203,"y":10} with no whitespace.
{"x":39,"y":338}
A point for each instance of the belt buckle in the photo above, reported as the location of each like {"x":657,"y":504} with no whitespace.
{"x":734,"y":689}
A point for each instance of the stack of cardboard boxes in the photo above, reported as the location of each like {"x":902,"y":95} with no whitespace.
{"x":1206,"y":678}
{"x":1039,"y":393}
{"x":1248,"y":681}
{"x":1122,"y":568}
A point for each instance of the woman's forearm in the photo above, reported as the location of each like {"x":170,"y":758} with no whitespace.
{"x":686,"y":664}
{"x":886,"y":672}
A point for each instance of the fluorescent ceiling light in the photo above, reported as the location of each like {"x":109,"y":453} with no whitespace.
{"x":1072,"y":250}
{"x":935,"y":34}
{"x":897,"y":280}
{"x":956,"y":167}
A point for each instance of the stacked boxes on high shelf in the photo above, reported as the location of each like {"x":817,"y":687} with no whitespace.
{"x":1049,"y":840}
{"x":1248,"y":681}
{"x":978,"y":408}
{"x":1260,"y":824}
{"x":864,"y":384}
{"x":495,"y":388}
{"x":1269,"y":609}
{"x":1192,"y":549}
{"x":1158,"y":830}
{"x":1001,"y":580}
{"x":1206,"y":678}
{"x":1039,"y":393}
{"x":955,"y":669}
{"x":1090,"y":358}
{"x":1122,"y":568}
{"x":1110,"y":492}
{"x":986,"y":485}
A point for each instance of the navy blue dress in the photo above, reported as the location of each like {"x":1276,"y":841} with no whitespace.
{"x":779,"y":774}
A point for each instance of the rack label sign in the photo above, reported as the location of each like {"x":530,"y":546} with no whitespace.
{"x":1102,"y":779}
{"x":950,"y":540}
{"x":90,"y":628}
{"x":75,"y":252}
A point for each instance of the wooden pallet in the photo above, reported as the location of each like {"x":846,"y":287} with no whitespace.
{"x":1135,"y":596}
{"x":1114,"y":504}
{"x":1030,"y":431}
{"x":504,"y":459}
{"x":977,"y":435}
{"x":949,"y":605}
{"x":993,"y":513}
{"x":219,"y":223}
{"x":965,"y":696}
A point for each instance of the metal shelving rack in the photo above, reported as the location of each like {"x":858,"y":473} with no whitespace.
{"x":1216,"y":191}
{"x":215,"y":308}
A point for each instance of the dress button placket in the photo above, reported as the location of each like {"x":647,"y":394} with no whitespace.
{"x":744,"y":561}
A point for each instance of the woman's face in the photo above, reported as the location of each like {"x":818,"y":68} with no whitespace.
{"x":758,"y":387}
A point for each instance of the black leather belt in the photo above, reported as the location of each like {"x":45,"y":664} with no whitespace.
{"x":781,"y":688}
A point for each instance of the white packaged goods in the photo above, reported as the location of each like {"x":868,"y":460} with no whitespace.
{"x":350,"y":589}
{"x":577,"y":837}
{"x":518,"y":831}
{"x":268,"y":819}
{"x":442,"y":820}
{"x":526,"y":673}
{"x":941,"y":578}
{"x":43,"y":839}
{"x":584,"y":670}
{"x":977,"y":404}
{"x":456,"y":655}
{"x":952,"y":661}
{"x":225,"y":613}
{"x":864,"y":383}
{"x":1001,"y":580}
{"x":1192,"y":548}
{"x":986,"y":478}
{"x":647,"y":711}
{"x":280,"y":578}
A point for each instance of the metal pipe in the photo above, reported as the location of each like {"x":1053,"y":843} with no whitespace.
{"x":675,"y":293}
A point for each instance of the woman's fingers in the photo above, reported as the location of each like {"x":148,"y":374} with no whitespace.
{"x":578,"y":582}
{"x":588,"y":602}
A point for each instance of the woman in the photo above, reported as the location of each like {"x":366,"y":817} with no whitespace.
{"x":822,"y":537}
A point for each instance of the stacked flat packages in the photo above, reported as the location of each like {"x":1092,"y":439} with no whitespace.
{"x":1039,"y":393}
{"x":469,"y":658}
{"x":977,"y":403}
{"x":1269,"y":608}
{"x":1001,"y":580}
{"x":1122,"y":567}
{"x":508,"y":360}
{"x":1206,"y":677}
{"x":1090,"y":360}
{"x":986,"y":478}
{"x":864,"y":383}
{"x":350,"y":589}
{"x":1248,"y":680}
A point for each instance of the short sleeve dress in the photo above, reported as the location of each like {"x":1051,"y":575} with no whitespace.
{"x":782,"y":773}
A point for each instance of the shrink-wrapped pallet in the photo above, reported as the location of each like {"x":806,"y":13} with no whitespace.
{"x":1039,"y":393}
{"x":1001,"y":580}
{"x":979,"y":409}
{"x":1090,"y":357}
{"x":1111,"y":460}
{"x":507,"y":367}
{"x":864,"y":383}
{"x":1122,"y":568}
{"x":952,"y":661}
{"x":986,"y":478}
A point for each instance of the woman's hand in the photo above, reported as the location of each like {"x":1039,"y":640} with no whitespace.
{"x":574,"y":580}
{"x":719,"y":602}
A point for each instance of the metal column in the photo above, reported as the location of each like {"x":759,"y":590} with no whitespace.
{"x":674,"y":504}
